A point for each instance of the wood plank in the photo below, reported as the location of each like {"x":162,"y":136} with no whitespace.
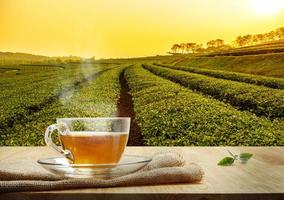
{"x":262,"y":177}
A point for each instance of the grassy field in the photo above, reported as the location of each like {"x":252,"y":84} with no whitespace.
{"x":208,"y":99}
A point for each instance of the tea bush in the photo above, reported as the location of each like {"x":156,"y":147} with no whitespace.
{"x":277,"y":83}
{"x":30,"y":92}
{"x":96,"y":98}
{"x":170,"y":114}
{"x":257,"y":99}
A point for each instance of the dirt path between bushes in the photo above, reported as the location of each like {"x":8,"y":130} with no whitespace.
{"x":125,"y":109}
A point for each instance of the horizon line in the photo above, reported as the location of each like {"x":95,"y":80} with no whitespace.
{"x":82,"y":57}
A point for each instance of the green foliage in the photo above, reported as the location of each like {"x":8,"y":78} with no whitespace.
{"x":277,"y":83}
{"x":244,"y":157}
{"x":35,"y":88}
{"x":78,"y":126}
{"x":257,"y":99}
{"x":261,"y":64}
{"x":167,"y":113}
{"x":96,"y":97}
{"x":170,"y":114}
{"x":226,"y":161}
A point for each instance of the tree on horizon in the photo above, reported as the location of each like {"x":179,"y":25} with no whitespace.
{"x":240,"y":41}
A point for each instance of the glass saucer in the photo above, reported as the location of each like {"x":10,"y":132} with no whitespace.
{"x":127,"y":164}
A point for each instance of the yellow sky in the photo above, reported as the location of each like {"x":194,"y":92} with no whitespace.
{"x":127,"y":28}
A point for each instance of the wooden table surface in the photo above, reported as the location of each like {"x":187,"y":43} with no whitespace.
{"x":261,"y":178}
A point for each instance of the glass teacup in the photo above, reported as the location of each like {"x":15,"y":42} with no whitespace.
{"x":90,"y":140}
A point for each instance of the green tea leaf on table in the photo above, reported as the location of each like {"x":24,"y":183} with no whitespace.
{"x":226,"y":161}
{"x":244,"y":157}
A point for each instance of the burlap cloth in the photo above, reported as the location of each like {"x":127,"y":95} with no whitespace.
{"x":165,"y":168}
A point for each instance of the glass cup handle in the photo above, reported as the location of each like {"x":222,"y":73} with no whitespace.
{"x":49,"y":142}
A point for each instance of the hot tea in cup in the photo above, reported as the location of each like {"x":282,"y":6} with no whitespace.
{"x":91,"y":140}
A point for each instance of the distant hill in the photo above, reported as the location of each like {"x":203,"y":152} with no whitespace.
{"x":22,"y":58}
{"x":258,"y":61}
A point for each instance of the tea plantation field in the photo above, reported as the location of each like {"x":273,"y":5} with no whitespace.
{"x":39,"y":98}
{"x":170,"y":114}
{"x":175,"y":100}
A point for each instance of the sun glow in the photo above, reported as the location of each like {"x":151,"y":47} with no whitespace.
{"x":267,"y":7}
{"x":128,"y":28}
